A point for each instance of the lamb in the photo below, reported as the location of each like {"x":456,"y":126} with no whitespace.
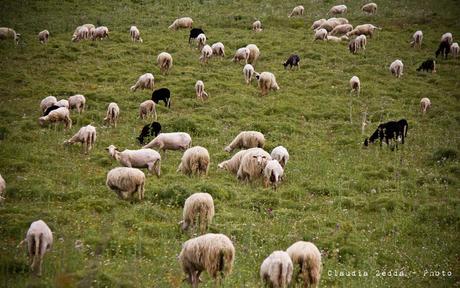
{"x":171,"y":141}
{"x":201,"y":41}
{"x":396,"y":68}
{"x":62,"y":103}
{"x":233,"y":164}
{"x":280,"y":154}
{"x":241,"y":54}
{"x":77,"y":101}
{"x":444,"y":49}
{"x":165,"y":61}
{"x":267,"y":82}
{"x":273,"y":173}
{"x":126,"y":181}
{"x":389,"y":131}
{"x":6,"y":33}
{"x":145,"y":81}
{"x":355,"y":85}
{"x":297,"y":11}
{"x":218,"y":49}
{"x":195,"y":161}
{"x":100,"y":33}
{"x":338,"y":9}
{"x":253,"y":164}
{"x":147,"y":107}
{"x":276,"y":270}
{"x":199,"y":89}
{"x":206,"y":53}
{"x":254,"y":53}
{"x":184,"y":22}
{"x":248,"y":72}
{"x":365,"y":29}
{"x":447,"y":37}
{"x":257,"y":26}
{"x":455,"y":49}
{"x":308,"y":257}
{"x":245,"y":140}
{"x":293,"y":60}
{"x":317,"y":24}
{"x":39,"y":240}
{"x":214,"y":253}
{"x":61,"y":114}
{"x":197,"y":205}
{"x":162,"y":94}
{"x":417,"y":39}
{"x":425,"y":104}
{"x":369,"y":8}
{"x":152,"y":129}
{"x":341,"y":29}
{"x":321,"y":34}
{"x":141,"y":158}
{"x":428,"y":65}
{"x":81,"y":32}
{"x":86,"y":135}
{"x":353,"y":46}
{"x":113,"y":111}
{"x":2,"y":188}
{"x":135,"y":34}
{"x":194,"y":33}
{"x":47,"y":102}
{"x":43,"y":36}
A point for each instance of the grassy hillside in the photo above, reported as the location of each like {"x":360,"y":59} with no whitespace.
{"x":369,"y":210}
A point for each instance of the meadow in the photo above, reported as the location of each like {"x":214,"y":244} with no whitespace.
{"x":370,"y":211}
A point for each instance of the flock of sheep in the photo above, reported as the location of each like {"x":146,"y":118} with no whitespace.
{"x":214,"y":253}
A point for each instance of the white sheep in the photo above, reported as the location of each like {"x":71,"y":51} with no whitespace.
{"x":126,"y":181}
{"x":199,"y":89}
{"x":396,"y":68}
{"x":86,"y":135}
{"x":165,"y":61}
{"x":425,"y":104}
{"x":43,"y":36}
{"x":276,"y":270}
{"x":245,"y":140}
{"x":201,"y":41}
{"x":317,"y":24}
{"x":195,"y":161}
{"x":113,"y":111}
{"x":337,"y":39}
{"x":241,"y":54}
{"x":218,"y":49}
{"x":361,"y":41}
{"x":80,"y":33}
{"x":141,"y":158}
{"x":171,"y":141}
{"x":214,"y":253}
{"x":280,"y":154}
{"x":135,"y":34}
{"x":198,"y":205}
{"x":366,"y":29}
{"x":321,"y":34}
{"x":61,"y":114}
{"x":267,"y":82}
{"x":447,"y":37}
{"x":147,"y":107}
{"x":297,"y":11}
{"x":206,"y":53}
{"x":455,"y":49}
{"x":233,"y":164}
{"x":100,"y":33}
{"x":77,"y":101}
{"x":39,"y":240}
{"x":62,"y":103}
{"x":308,"y":257}
{"x":90,"y":30}
{"x":47,"y":102}
{"x":254,"y":53}
{"x":355,"y":85}
{"x":273,"y":173}
{"x":248,"y":72}
{"x":145,"y":81}
{"x":369,"y":8}
{"x":6,"y":33}
{"x":257,"y":26}
{"x":417,"y":39}
{"x":341,"y":29}
{"x":184,"y":22}
{"x":338,"y":9}
{"x":2,"y":188}
{"x":253,"y":164}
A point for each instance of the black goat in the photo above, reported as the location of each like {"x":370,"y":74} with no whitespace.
{"x":388,"y":131}
{"x":149,"y":130}
{"x":293,"y":60}
{"x":428,"y":65}
{"x":444,"y":49}
{"x":49,"y":109}
{"x":162,"y":94}
{"x":194,"y":33}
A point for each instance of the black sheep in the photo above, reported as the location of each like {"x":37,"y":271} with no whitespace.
{"x":428,"y":65}
{"x":149,"y":130}
{"x":162,"y":94}
{"x":293,"y":60}
{"x":444,"y":49}
{"x":388,"y":131}
{"x":194,"y":33}
{"x":49,"y":109}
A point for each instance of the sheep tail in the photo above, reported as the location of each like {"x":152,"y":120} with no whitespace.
{"x":38,"y":240}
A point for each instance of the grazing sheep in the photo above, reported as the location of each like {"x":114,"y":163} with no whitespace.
{"x":233,"y":164}
{"x":145,"y":81}
{"x":147,"y":107}
{"x":396,"y":68}
{"x":267,"y":82}
{"x":308,"y":257}
{"x":273,"y":173}
{"x":353,"y":46}
{"x":276,"y":270}
{"x":171,"y":141}
{"x":199,"y":89}
{"x":201,"y":41}
{"x":113,"y":111}
{"x":135,"y":34}
{"x":162,"y":94}
{"x":80,"y":33}
{"x":389,"y":131}
{"x":428,"y":65}
{"x":245,"y":140}
{"x":341,"y":29}
{"x":100,"y":33}
{"x":126,"y":181}
{"x":6,"y":33}
{"x":425,"y":104}
{"x":62,"y":103}
{"x":184,"y":22}
{"x":355,"y":84}
{"x":293,"y":60}
{"x":321,"y":34}
{"x":455,"y":49}
{"x":280,"y":154}
{"x":43,"y":36}
{"x":194,"y":33}
{"x":214,"y":253}
{"x":254,"y":53}
{"x":338,"y":9}
{"x":197,"y":205}
{"x":61,"y":114}
{"x":297,"y":11}
{"x":447,"y":37}
{"x":444,"y":49}
{"x":206,"y":53}
{"x":165,"y":61}
{"x":86,"y":135}
{"x":148,"y":130}
{"x":47,"y":102}
{"x":195,"y":161}
{"x":248,"y":72}
{"x":317,"y":24}
{"x":257,"y":26}
{"x":2,"y":188}
{"x":369,"y":8}
{"x":361,"y":41}
{"x":218,"y":49}
{"x":253,"y":164}
{"x":336,"y":39}
{"x":77,"y":101}
{"x":241,"y":54}
{"x":141,"y":158}
{"x":365,"y":29}
{"x":417,"y":39}
{"x":90,"y":30}
{"x":39,"y":240}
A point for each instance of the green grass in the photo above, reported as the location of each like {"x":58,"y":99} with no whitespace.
{"x":367,"y":210}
